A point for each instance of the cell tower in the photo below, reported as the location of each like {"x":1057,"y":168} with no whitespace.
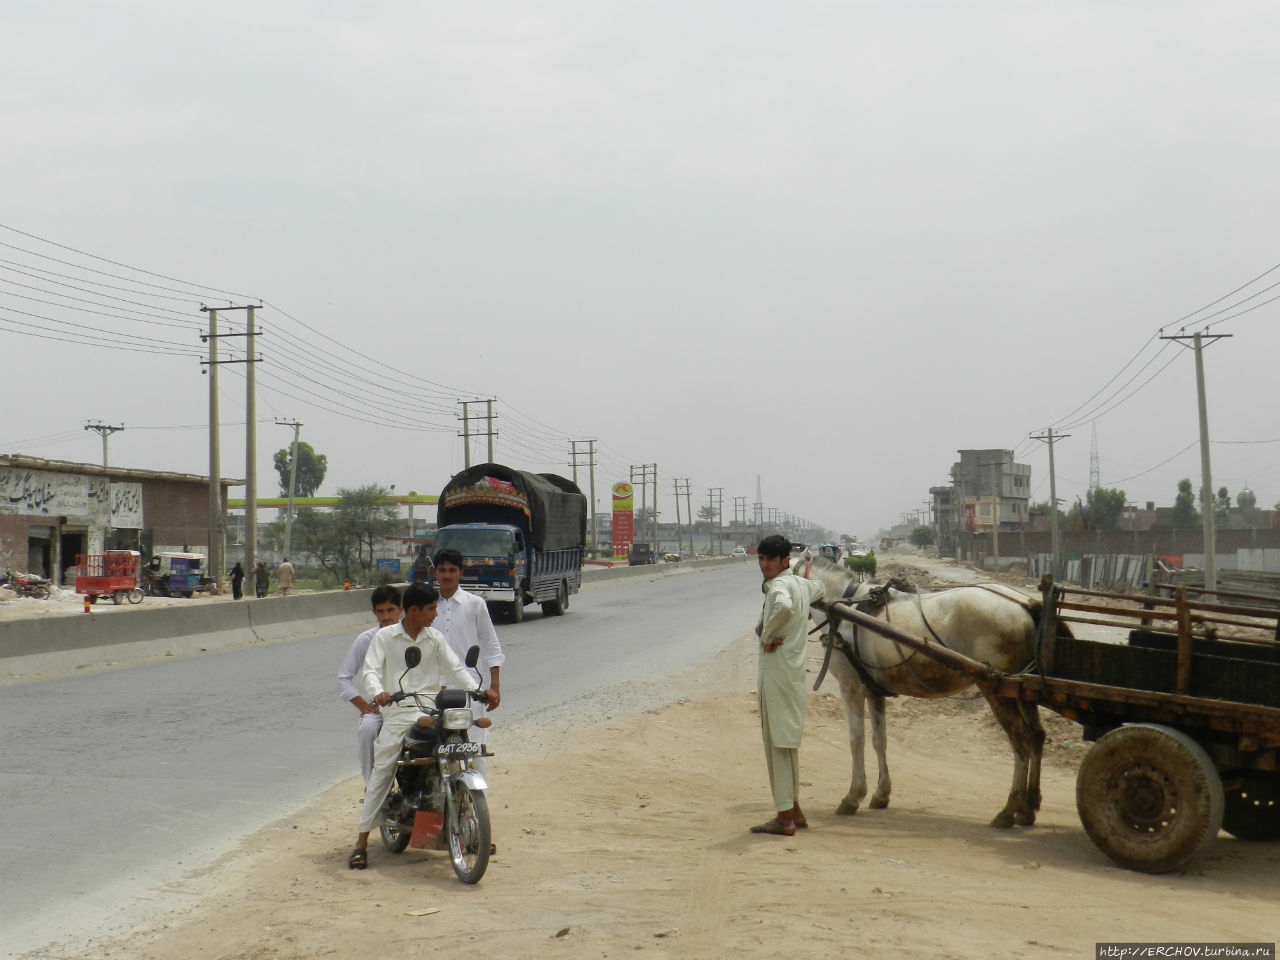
{"x":1095,"y":477}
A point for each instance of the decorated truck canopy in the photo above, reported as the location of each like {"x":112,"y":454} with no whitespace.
{"x":549,"y":508}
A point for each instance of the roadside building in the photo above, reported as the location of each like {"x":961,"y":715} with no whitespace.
{"x":52,"y":510}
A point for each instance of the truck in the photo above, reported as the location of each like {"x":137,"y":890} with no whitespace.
{"x":521,"y":536}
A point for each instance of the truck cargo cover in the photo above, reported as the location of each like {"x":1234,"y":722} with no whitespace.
{"x":552,"y":508}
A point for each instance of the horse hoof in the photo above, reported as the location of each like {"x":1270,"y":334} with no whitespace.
{"x":878,"y":803}
{"x":1003,"y":820}
{"x":1025,"y":819}
{"x":846,"y":808}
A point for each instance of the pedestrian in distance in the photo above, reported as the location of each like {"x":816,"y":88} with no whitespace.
{"x":284,"y":577}
{"x":783,"y":632}
{"x":237,"y":581}
{"x":262,"y":580}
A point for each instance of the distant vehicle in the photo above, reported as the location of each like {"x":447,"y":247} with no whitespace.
{"x":798,"y":548}
{"x":639,"y":555}
{"x":740,"y":551}
{"x":173,"y":574}
{"x":671,"y":557}
{"x":521,"y":536}
{"x":420,"y":569}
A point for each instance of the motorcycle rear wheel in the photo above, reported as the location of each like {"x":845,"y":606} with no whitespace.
{"x":468,"y":833}
{"x":394,"y":838}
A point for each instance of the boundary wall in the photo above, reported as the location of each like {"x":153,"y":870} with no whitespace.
{"x":140,"y":631}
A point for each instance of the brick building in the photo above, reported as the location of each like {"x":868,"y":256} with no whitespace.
{"x":51,"y":510}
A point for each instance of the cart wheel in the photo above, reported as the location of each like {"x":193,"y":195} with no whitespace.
{"x":135,"y":595}
{"x":117,"y":597}
{"x":1149,"y":797}
{"x":93,"y":597}
{"x":1252,"y":810}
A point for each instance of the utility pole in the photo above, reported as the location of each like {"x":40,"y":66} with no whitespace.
{"x":591,"y":463}
{"x":1206,"y":482}
{"x":466,"y":434}
{"x":998,"y":496}
{"x":251,"y":445}
{"x":217,"y":522}
{"x":103,"y":430}
{"x":740,"y":515}
{"x":215,"y":467}
{"x":717,"y":504}
{"x":1054,"y":543}
{"x":293,"y":480}
{"x":682,"y":490}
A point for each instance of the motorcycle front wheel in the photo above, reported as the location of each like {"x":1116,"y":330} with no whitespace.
{"x":395,"y":834}
{"x":468,"y":833}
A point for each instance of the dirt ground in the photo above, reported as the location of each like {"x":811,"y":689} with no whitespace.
{"x":628,"y":835}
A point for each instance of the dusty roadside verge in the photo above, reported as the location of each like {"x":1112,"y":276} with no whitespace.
{"x":623,"y":833}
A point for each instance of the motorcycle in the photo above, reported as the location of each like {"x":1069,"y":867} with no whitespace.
{"x":27,"y":584}
{"x":437,"y":798}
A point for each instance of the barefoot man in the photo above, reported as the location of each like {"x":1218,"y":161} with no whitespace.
{"x":782,"y":631}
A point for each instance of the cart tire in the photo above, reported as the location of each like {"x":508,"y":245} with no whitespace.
{"x":93,"y":598}
{"x":1149,"y":797}
{"x":1252,"y":810}
{"x":117,"y":597}
{"x":135,"y":595}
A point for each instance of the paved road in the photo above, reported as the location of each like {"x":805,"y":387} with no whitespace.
{"x":114,"y":784}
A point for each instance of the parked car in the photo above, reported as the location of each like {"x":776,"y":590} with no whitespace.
{"x":740,"y":552}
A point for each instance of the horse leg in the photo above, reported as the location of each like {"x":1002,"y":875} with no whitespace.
{"x":1035,"y":729}
{"x":880,"y":743}
{"x":853,"y":695}
{"x":1018,"y":808}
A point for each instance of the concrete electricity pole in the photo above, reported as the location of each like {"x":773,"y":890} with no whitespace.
{"x":591,"y":463}
{"x":1206,"y":482}
{"x":1054,"y":542}
{"x":215,"y":466}
{"x":103,"y":430}
{"x":293,"y":481}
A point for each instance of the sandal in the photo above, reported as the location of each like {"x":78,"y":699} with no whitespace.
{"x":776,"y":827}
{"x":358,"y":860}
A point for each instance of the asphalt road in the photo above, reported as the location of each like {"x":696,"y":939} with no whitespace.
{"x":114,"y":784}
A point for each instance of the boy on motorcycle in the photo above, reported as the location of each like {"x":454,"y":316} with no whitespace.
{"x":384,"y":670}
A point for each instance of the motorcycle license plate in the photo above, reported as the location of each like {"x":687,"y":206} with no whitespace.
{"x":466,"y":749}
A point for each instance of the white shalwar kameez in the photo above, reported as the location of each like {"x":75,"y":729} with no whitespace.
{"x":383,"y":666}
{"x":349,"y":688}
{"x":465,"y":622}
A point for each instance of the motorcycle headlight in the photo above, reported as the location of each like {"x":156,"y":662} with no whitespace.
{"x":457,"y":718}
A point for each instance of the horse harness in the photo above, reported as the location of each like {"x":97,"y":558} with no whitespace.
{"x":878,"y":597}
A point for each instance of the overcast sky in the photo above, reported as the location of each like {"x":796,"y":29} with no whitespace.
{"x":826,"y":244}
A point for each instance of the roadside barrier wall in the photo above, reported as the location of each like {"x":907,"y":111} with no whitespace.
{"x":243,"y":622}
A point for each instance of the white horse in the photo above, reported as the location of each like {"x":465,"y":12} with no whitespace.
{"x":990,"y":623}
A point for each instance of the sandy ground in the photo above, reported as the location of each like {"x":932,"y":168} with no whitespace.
{"x":626,"y":833}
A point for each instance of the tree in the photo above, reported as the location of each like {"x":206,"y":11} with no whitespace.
{"x":922,"y":536}
{"x":311,"y":470}
{"x":707,"y":512}
{"x":318,"y":534}
{"x":365,"y":516}
{"x":1105,"y":508}
{"x":1184,"y":514}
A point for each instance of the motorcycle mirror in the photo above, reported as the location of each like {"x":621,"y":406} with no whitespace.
{"x":412,"y":656}
{"x":473,"y":657}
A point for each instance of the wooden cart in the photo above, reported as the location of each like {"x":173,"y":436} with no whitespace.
{"x":1185,"y":716}
{"x":112,"y":574}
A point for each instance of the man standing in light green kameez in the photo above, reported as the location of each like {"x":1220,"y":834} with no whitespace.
{"x":782,"y":630}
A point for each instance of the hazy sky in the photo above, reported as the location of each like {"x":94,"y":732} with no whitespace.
{"x":828,"y":244}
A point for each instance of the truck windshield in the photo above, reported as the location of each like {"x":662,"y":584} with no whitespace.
{"x":475,"y":543}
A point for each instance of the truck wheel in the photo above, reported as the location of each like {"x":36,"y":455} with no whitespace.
{"x":515,"y":611}
{"x":557,"y":607}
{"x":1149,"y":797}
